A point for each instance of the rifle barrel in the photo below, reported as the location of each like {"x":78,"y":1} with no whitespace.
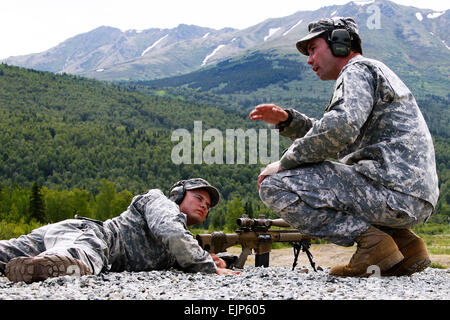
{"x":280,"y":223}
{"x":290,"y":237}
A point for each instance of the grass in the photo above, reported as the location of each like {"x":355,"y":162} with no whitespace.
{"x":436,"y":237}
{"x":9,"y":230}
{"x":437,"y":265}
{"x":437,"y":244}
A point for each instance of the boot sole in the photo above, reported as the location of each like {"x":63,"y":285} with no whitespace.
{"x":417,"y":267}
{"x":34,"y":269}
{"x":407,"y":269}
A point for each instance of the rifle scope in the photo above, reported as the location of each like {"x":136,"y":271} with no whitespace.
{"x":245,"y":222}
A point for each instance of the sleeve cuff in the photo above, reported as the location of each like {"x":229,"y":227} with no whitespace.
{"x":284,"y":124}
{"x":287,"y":164}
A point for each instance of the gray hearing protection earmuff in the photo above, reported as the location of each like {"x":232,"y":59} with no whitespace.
{"x":177,"y":192}
{"x":340,"y":40}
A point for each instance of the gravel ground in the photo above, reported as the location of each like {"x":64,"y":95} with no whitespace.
{"x":272,"y":283}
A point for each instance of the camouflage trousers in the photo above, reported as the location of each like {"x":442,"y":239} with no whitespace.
{"x":334,"y":202}
{"x":81,"y":239}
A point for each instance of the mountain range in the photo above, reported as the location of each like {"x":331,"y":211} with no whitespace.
{"x":69,"y":131}
{"x":403,"y":36}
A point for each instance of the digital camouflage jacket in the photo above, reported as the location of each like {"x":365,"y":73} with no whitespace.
{"x":373,"y":123}
{"x":151,"y":235}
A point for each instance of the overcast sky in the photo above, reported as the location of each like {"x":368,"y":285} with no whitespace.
{"x":30,"y":26}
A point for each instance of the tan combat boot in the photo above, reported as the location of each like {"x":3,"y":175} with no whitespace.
{"x":375,"y":248}
{"x":415,"y":252}
{"x":39,"y":268}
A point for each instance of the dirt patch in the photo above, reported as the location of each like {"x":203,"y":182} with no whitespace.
{"x":324,"y":255}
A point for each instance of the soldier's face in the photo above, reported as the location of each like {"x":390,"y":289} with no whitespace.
{"x":323,"y":63}
{"x":195,"y":205}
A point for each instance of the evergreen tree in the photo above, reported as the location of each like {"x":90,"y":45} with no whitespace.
{"x":248,"y":209}
{"x":37,"y":208}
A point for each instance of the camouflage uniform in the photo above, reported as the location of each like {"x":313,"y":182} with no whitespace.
{"x":385,"y":174}
{"x":150,"y":235}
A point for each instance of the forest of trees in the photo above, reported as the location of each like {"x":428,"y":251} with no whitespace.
{"x":227,"y":77}
{"x":71,"y":145}
{"x":22,"y":209}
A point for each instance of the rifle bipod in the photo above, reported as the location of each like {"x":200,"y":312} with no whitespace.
{"x":303,"y":246}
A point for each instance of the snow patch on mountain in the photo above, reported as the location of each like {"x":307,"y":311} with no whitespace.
{"x":363,"y":2}
{"x":133,"y":31}
{"x":209,"y":56}
{"x":292,"y":28}
{"x":419,"y":16}
{"x":272,"y":31}
{"x":434,"y":15}
{"x":153,"y":45}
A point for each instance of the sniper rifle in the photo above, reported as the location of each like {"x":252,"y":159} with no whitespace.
{"x":256,"y":234}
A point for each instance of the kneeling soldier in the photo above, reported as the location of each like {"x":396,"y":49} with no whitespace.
{"x":384,"y":180}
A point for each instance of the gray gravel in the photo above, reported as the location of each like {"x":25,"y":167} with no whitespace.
{"x":273,"y":283}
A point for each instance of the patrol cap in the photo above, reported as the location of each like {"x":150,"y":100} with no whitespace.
{"x":199,"y":183}
{"x":321,"y":26}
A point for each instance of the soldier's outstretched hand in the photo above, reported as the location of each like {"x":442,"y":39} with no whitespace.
{"x":224,"y":271}
{"x":220,"y":263}
{"x":270,"y":113}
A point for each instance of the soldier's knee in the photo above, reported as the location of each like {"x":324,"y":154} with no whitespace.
{"x":267,"y":189}
{"x":275,"y":195}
